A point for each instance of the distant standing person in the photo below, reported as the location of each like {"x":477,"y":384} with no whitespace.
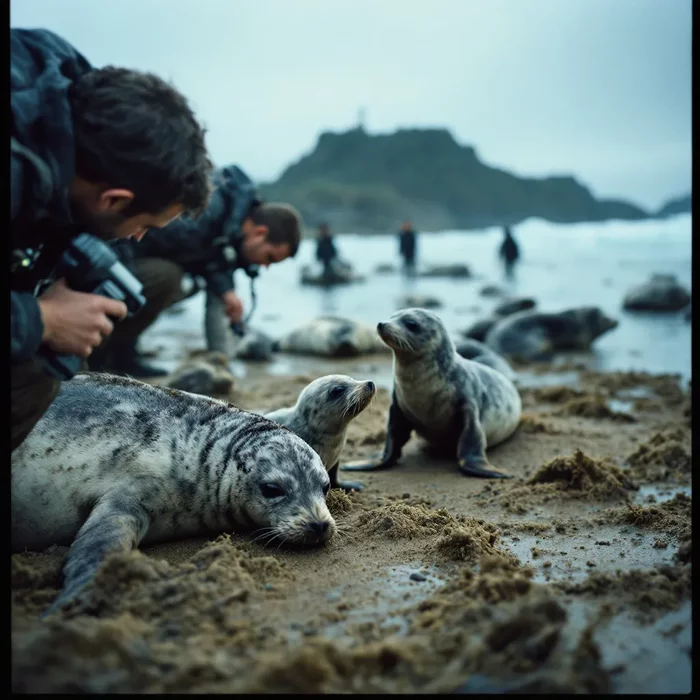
{"x":326,"y":252}
{"x":407,"y":245}
{"x":509,"y":251}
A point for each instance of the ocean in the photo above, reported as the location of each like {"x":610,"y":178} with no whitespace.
{"x":561,"y":266}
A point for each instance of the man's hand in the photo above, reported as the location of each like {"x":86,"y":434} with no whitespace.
{"x":233,"y":306}
{"x":75,"y":322}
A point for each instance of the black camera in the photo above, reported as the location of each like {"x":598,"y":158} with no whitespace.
{"x":91,"y":266}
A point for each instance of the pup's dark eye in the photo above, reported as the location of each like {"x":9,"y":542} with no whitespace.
{"x":326,"y":488}
{"x":336,"y":392}
{"x":411,"y":326}
{"x":271,"y":490}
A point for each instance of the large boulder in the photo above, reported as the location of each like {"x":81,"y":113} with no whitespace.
{"x":421,"y":301}
{"x":448,"y":270}
{"x":661,"y":293}
{"x":340,"y":273}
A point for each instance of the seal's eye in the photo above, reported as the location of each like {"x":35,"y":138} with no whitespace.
{"x":336,"y":392}
{"x":326,"y":488}
{"x":271,"y":490}
{"x":411,"y":326}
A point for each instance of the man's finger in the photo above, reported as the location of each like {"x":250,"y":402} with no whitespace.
{"x":114,"y":308}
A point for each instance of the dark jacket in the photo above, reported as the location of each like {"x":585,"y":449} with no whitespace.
{"x":407,"y":244}
{"x":509,"y":249}
{"x":41,"y":169}
{"x":326,"y":250}
{"x":208,"y":247}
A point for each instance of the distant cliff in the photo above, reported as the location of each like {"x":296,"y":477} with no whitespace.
{"x":680,"y":205}
{"x":364,"y":183}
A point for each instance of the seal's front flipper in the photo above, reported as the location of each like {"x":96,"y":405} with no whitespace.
{"x":398,"y":432}
{"x":471,"y":451}
{"x":345,"y":485}
{"x":117,"y":524}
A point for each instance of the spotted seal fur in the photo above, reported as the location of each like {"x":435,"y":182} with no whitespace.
{"x":321,"y":417}
{"x":116,"y":462}
{"x":458,"y":405}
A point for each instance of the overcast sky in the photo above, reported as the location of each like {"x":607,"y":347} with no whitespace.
{"x":597,"y":88}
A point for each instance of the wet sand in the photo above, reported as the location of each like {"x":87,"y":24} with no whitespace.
{"x":572,"y":577}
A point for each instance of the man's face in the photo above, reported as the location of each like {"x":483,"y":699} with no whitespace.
{"x":100,"y":213}
{"x":257,"y":250}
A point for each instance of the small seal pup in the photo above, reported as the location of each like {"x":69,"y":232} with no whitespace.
{"x":472,"y":349}
{"x":321,"y":417}
{"x":203,"y":372}
{"x":116,"y":462}
{"x":454,"y":403}
{"x":535,"y":335}
{"x":331,"y":336}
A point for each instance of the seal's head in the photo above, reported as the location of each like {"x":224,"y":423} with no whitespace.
{"x":283,"y":496}
{"x":414,"y":334}
{"x":593,"y":320}
{"x":329,"y":403}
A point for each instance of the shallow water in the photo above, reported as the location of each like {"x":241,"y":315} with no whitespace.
{"x":561,"y":267}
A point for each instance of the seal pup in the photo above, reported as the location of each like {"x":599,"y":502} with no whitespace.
{"x":331,"y":336}
{"x":203,"y":372}
{"x":321,"y":417}
{"x":115,"y":462}
{"x":454,"y":403}
{"x":534,"y":335}
{"x":472,"y":349}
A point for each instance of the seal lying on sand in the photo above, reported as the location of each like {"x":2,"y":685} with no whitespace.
{"x":455,"y":404}
{"x":330,"y":336}
{"x":115,"y":462}
{"x":203,"y":372}
{"x":534,"y":335}
{"x":321,"y":417}
{"x":480,"y":352}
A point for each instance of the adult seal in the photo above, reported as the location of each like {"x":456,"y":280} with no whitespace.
{"x":115,"y":463}
{"x":321,"y":417}
{"x":534,"y":335}
{"x":458,"y":405}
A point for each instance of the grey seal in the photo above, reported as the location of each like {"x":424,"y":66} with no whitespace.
{"x":331,"y":336}
{"x":456,"y":404}
{"x":512,"y":305}
{"x":508,"y":307}
{"x":472,"y":349}
{"x":203,"y":372}
{"x":115,"y":462}
{"x":535,"y":335}
{"x":321,"y":417}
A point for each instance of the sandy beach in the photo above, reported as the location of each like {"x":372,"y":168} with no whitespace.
{"x":574,"y":576}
